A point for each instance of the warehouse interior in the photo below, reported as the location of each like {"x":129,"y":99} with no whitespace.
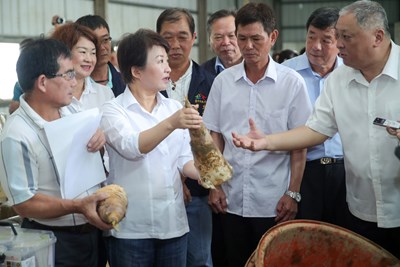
{"x":21,"y":19}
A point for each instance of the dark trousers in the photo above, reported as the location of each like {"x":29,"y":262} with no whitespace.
{"x":323,"y":193}
{"x":73,"y":248}
{"x":242,"y":235}
{"x":218,"y":249}
{"x":388,"y":238}
{"x":102,"y":260}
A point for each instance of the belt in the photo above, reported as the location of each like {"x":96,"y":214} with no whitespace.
{"x":327,"y":161}
{"x":76,"y":229}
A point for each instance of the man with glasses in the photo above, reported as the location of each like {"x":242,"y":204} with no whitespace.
{"x":104,"y":72}
{"x":27,"y":171}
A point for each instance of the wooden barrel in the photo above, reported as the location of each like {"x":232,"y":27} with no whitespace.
{"x":306,"y":243}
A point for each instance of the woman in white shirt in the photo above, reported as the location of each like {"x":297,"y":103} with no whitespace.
{"x":83,"y":44}
{"x":87,"y":94}
{"x":148,"y":144}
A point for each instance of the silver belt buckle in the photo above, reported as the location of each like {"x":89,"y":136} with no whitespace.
{"x":325,"y":161}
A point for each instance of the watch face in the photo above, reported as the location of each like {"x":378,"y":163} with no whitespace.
{"x":295,"y":195}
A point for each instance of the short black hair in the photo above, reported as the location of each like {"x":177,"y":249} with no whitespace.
{"x":174,"y":15}
{"x":40,"y":56}
{"x":25,"y":42}
{"x":93,"y":22}
{"x":133,"y":50}
{"x":256,"y":12}
{"x":323,"y":18}
{"x":287,"y":54}
{"x":222,"y":13}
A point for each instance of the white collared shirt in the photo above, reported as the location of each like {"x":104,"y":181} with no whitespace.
{"x":349,"y":105}
{"x":152,"y":181}
{"x":26,"y":165}
{"x":277,"y":102}
{"x":93,"y":96}
{"x":180,"y":88}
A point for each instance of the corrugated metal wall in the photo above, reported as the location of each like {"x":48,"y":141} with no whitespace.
{"x":294,"y":13}
{"x":25,"y":18}
{"x":28,"y":18}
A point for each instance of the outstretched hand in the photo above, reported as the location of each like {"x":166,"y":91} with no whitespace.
{"x":254,"y":140}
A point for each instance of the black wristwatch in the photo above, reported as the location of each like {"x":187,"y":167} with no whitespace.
{"x":295,"y":195}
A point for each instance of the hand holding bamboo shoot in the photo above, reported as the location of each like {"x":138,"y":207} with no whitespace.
{"x":112,"y":209}
{"x":212,"y":166}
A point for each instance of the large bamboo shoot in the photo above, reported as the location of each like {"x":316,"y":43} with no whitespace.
{"x":112,"y":209}
{"x":212,"y":166}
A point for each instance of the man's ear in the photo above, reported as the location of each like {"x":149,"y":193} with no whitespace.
{"x":194,"y":38}
{"x":274,"y":36}
{"x":379,"y":36}
{"x":41,"y":83}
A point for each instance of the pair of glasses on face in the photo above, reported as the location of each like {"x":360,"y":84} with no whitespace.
{"x":105,"y":40}
{"x":69,"y":75}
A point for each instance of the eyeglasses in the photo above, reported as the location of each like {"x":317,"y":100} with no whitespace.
{"x":106,"y":40}
{"x":69,"y":75}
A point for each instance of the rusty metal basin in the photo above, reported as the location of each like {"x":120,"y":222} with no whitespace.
{"x":307,"y":243}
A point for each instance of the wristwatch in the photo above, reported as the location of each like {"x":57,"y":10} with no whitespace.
{"x":295,"y":195}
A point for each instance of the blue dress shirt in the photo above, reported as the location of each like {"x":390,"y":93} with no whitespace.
{"x":315,"y":84}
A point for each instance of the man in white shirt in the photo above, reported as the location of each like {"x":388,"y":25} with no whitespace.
{"x":367,"y":87}
{"x":27,"y":170}
{"x":264,"y":186}
{"x":223,"y":42}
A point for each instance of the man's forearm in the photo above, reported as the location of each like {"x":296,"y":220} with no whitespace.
{"x":41,"y":206}
{"x":297,"y":165}
{"x":298,"y":138}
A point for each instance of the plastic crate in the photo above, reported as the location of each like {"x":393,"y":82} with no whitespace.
{"x":26,"y":247}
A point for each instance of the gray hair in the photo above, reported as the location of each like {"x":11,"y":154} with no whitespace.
{"x":369,"y":15}
{"x":223,"y":13}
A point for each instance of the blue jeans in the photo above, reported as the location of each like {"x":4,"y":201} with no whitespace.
{"x":199,"y":239}
{"x":147,"y":252}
